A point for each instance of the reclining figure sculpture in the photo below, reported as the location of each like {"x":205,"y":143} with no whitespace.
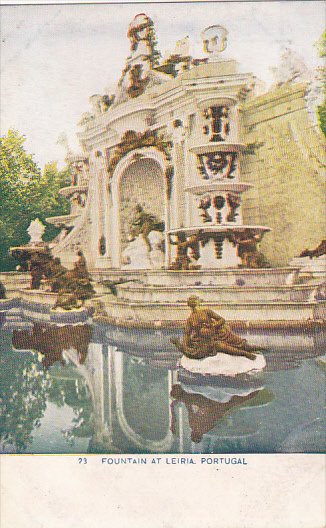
{"x":207,"y":334}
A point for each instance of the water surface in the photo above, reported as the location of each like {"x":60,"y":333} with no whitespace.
{"x":101,"y":389}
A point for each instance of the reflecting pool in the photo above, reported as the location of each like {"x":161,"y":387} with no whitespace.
{"x":93,"y":388}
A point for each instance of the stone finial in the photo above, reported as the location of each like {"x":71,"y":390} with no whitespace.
{"x":214,"y":40}
{"x":36,"y":230}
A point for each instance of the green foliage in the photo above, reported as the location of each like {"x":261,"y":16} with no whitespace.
{"x":321,"y":110}
{"x":26,"y":193}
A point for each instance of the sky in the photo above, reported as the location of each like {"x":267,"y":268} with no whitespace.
{"x":54,"y":57}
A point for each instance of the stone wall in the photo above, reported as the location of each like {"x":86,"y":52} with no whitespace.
{"x":284,"y":160}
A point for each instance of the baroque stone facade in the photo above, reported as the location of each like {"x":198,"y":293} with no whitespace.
{"x":175,"y":139}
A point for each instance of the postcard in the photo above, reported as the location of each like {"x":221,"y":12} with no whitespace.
{"x":162,"y":265}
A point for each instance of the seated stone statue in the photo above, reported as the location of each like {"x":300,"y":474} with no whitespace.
{"x":184,"y":243}
{"x":317,"y":252}
{"x":80,"y":266}
{"x":248,"y":251}
{"x":73,"y":286}
{"x":53,"y":272}
{"x":143,"y":223}
{"x":206,"y":334}
{"x":37,"y":266}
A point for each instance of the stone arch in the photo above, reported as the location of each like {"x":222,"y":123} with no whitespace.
{"x":142,"y":173}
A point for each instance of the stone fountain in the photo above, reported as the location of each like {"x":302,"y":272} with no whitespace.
{"x":216,"y":189}
{"x":171,"y":141}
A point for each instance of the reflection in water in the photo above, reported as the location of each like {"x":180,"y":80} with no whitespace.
{"x":52,"y":340}
{"x":117,"y":396}
{"x":24,"y":389}
{"x":204,"y":413}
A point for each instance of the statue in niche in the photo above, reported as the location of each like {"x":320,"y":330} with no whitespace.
{"x":207,"y":333}
{"x":204,"y":204}
{"x":247,"y":249}
{"x":143,"y":223}
{"x":219,"y":123}
{"x":203,"y":413}
{"x":183,"y":261}
{"x":315,"y":253}
{"x":234,"y":201}
{"x":217,"y":165}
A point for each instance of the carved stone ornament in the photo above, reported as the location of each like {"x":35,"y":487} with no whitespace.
{"x":132,"y":140}
{"x":234,"y":202}
{"x":169,"y":174}
{"x":214,"y":39}
{"x":217,"y":165}
{"x":138,"y":81}
{"x":36,"y":230}
{"x":142,"y":38}
{"x":219,"y":203}
{"x":218,"y":123}
{"x":205,"y":203}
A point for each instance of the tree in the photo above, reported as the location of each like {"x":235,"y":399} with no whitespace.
{"x":26,"y":193}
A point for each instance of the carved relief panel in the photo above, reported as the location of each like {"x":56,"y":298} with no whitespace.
{"x":218,"y":165}
{"x":217,"y":126}
{"x":219,"y":208}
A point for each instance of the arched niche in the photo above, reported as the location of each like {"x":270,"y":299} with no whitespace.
{"x":137,"y":179}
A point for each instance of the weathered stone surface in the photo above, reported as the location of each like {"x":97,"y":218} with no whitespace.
{"x":286,"y":167}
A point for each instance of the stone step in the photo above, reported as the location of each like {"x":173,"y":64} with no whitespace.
{"x":12,"y":318}
{"x":232,"y":294}
{"x":240,"y":311}
{"x":14,"y":280}
{"x":222,"y":277}
{"x":18,"y":325}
